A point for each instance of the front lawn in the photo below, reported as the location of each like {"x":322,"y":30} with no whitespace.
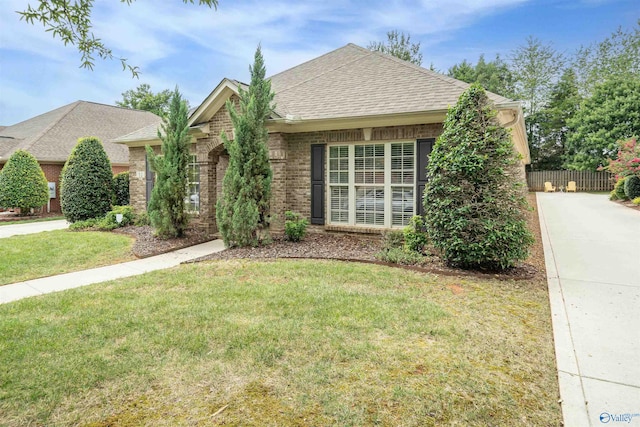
{"x":55,"y":252}
{"x":287,"y":343}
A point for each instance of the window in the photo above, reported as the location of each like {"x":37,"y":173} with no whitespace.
{"x":402,"y":179}
{"x":338,"y":182}
{"x":192,"y":201}
{"x":372,"y":184}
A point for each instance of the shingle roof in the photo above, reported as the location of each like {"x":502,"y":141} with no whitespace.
{"x":51,"y":136}
{"x":354,"y":82}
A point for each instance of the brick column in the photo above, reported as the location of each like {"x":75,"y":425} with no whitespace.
{"x":278,"y":159}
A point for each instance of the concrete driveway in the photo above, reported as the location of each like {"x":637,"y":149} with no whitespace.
{"x":592,"y":254}
{"x":32,"y":227}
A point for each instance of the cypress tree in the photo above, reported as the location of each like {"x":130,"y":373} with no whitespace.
{"x":166,"y":209}
{"x":86,"y":187}
{"x":474,"y":199}
{"x":243,"y":209}
{"x":22,"y":183}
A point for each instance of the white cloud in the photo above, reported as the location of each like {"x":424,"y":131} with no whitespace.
{"x":195,"y":47}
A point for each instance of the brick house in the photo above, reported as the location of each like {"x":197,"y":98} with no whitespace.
{"x":348,"y":141}
{"x":51,"y":136}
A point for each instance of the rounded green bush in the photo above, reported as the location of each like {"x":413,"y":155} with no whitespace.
{"x":474,"y":200}
{"x":632,"y":187}
{"x":295,"y":226}
{"x":87,"y":182}
{"x":121,"y":189}
{"x":22,"y":183}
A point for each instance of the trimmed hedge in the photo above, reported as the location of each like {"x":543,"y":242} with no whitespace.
{"x":86,"y":186}
{"x":22,"y":183}
{"x":121,"y":189}
{"x":474,"y":202}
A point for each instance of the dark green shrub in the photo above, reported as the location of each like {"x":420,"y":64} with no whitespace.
{"x":22,"y":183}
{"x":415,"y":236}
{"x":86,"y":186}
{"x":121,"y":189}
{"x":632,"y":187}
{"x":474,"y":201}
{"x":618,"y":190}
{"x":295,"y":226}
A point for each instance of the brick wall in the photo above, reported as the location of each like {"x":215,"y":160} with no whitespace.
{"x":137,"y":179}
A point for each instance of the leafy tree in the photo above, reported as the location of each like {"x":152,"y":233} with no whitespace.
{"x":86,"y":186}
{"x":70,"y":20}
{"x":166,"y":208}
{"x":142,"y":98}
{"x":246,"y":188}
{"x":615,"y":56}
{"x":121,"y":189}
{"x":611,"y":114}
{"x":536,"y":67}
{"x":473,"y":200}
{"x":400,"y":46}
{"x":552,"y":130}
{"x":22,"y":183}
{"x":495,"y":76}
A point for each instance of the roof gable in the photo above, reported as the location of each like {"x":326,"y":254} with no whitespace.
{"x":51,"y":136}
{"x":356,"y":82}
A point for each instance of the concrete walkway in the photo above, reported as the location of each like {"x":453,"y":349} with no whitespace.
{"x":592,"y":255}
{"x":32,"y":227}
{"x":61,"y":282}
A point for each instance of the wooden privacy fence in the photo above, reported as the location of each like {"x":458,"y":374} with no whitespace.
{"x":585,"y":180}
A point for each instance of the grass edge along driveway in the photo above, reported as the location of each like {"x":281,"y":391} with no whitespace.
{"x":49,"y":253}
{"x":284,"y":343}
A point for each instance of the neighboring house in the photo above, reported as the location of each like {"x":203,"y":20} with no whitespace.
{"x":51,"y":136}
{"x":348,"y":141}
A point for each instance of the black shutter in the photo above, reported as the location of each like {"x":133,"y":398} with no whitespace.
{"x":424,"y":150}
{"x":317,"y":183}
{"x":150,"y":178}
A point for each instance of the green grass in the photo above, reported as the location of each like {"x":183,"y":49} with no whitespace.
{"x":55,"y":252}
{"x":27,"y":221}
{"x":287,"y":343}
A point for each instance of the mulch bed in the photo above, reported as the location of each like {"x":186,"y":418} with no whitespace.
{"x":362,"y":248}
{"x":147,"y":244}
{"x":10,"y":216}
{"x":335,"y":246}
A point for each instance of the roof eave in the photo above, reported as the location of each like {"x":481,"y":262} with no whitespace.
{"x":285,"y":125}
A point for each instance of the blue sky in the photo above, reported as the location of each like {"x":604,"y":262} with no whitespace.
{"x":194,"y":47}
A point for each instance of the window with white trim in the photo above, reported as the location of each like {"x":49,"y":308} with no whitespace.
{"x":192,"y":200}
{"x":372,"y":184}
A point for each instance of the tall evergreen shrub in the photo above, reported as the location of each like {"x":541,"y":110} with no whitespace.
{"x":121,"y":189}
{"x":166,"y":208}
{"x":22,"y":183}
{"x":243,"y":209}
{"x":474,"y":200}
{"x":86,"y":187}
